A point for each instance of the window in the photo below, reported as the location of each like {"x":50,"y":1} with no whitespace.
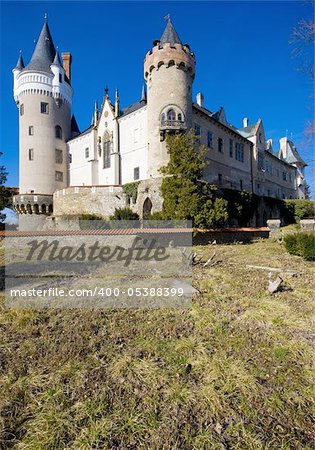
{"x":239,"y":151}
{"x":260,"y":137}
{"x":171,"y":115}
{"x":210,"y":139}
{"x":87,"y":152}
{"x":70,"y":158}
{"x":58,"y":176}
{"x":283,"y":196}
{"x":60,"y":78}
{"x":31,"y":154}
{"x":179,"y":117}
{"x":31,"y":130}
{"x":136,"y":173}
{"x":278,"y":173}
{"x":220,"y":177}
{"x":197,"y":130}
{"x":106,"y":154}
{"x":284,"y":176}
{"x":22,"y":109}
{"x":220,"y":145}
{"x":58,"y":156}
{"x":44,"y":108}
{"x":163,"y":117}
{"x":231,"y":148}
{"x":241,"y":185}
{"x":268,"y":192}
{"x":58,"y":132}
{"x":260,"y":161}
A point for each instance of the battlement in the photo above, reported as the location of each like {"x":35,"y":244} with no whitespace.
{"x":169,"y":55}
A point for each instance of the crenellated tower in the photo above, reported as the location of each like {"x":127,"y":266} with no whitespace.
{"x":43,"y":95}
{"x":169,"y":70}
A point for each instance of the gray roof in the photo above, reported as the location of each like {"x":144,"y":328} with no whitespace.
{"x":248,"y":131}
{"x":57,"y":60}
{"x":170,"y":36}
{"x":293,"y":155}
{"x":20,"y":63}
{"x":44,"y":52}
{"x":132,"y":108}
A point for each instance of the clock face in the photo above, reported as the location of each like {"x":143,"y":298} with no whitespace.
{"x":106,"y":113}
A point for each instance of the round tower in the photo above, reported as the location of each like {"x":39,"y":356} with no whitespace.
{"x":169,"y":70}
{"x":43,"y":96}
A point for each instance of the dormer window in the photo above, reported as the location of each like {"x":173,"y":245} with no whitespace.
{"x":60,"y":78}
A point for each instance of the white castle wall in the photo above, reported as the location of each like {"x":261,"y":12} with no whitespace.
{"x":133,"y":139}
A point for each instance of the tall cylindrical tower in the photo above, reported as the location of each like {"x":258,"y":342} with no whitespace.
{"x":169,"y":70}
{"x":43,"y":95}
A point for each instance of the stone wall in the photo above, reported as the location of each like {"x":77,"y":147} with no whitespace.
{"x":100,"y":200}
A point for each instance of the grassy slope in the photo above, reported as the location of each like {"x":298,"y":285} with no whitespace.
{"x":232,"y":372}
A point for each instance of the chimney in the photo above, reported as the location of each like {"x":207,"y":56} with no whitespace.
{"x":67,"y":60}
{"x":200,"y":99}
{"x":245,"y":122}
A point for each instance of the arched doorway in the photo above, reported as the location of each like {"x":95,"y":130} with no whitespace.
{"x":146,"y":210}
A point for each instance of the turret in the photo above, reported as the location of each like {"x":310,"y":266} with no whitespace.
{"x":44,"y":96}
{"x":169,"y":70}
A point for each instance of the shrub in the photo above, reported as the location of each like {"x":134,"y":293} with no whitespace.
{"x":301,"y":208}
{"x":301,"y":244}
{"x":124,"y":214}
{"x":90,"y":217}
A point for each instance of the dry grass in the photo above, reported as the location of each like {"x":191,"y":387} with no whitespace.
{"x":233,"y":372}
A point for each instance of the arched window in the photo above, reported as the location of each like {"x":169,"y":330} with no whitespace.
{"x":106,"y":152}
{"x":179,"y":117}
{"x":163,"y":117}
{"x":171,"y":115}
{"x":58,"y":132}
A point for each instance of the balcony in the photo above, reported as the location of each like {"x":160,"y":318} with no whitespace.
{"x":172,"y":125}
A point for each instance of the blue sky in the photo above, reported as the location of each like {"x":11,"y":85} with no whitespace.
{"x":244,"y":59}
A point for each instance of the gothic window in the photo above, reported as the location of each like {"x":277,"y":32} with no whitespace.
{"x":58,"y":132}
{"x":171,"y":116}
{"x":163,"y":117}
{"x":106,"y":154}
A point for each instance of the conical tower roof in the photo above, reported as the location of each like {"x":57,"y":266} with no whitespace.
{"x":56,"y":60}
{"x":20,"y":63}
{"x":44,"y":52}
{"x":170,"y":35}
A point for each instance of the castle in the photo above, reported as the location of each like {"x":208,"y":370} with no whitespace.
{"x":66,"y":171}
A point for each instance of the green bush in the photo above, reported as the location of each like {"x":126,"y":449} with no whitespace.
{"x":124,"y":214}
{"x":90,"y":217}
{"x":301,"y":244}
{"x":300,"y":209}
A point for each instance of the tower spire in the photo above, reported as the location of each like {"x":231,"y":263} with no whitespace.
{"x":170,"y":35}
{"x":116,"y":102}
{"x":20,"y":63}
{"x":143,"y":94}
{"x":44,"y":52}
